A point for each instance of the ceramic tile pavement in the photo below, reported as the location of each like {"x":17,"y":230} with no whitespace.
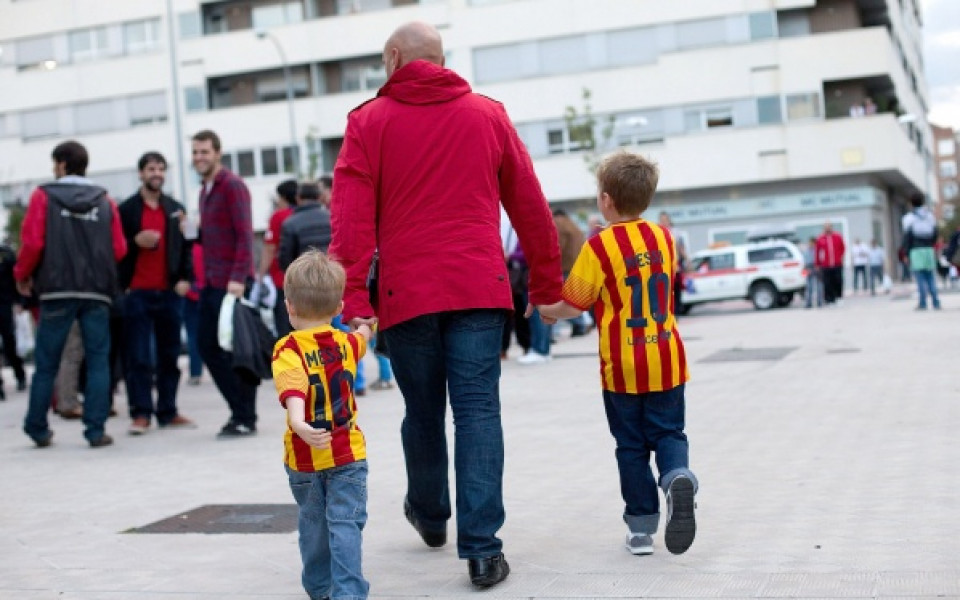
{"x":827,"y":474}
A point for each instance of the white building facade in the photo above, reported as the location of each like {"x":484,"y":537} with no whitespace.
{"x":757,"y":111}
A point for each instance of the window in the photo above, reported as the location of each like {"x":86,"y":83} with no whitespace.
{"x":246,"y":167}
{"x":226,"y":161}
{"x":3,"y":126}
{"x":948,"y":168}
{"x":768,"y":254}
{"x":274,"y":15}
{"x":500,"y":63}
{"x":563,"y":55}
{"x":141,"y":36}
{"x":39,"y":123}
{"x":719,"y":117}
{"x":946,"y":147}
{"x":698,"y":119}
{"x":148,"y":108}
{"x":91,"y":117}
{"x":632,"y":46}
{"x":194,"y":99}
{"x":291,"y":159}
{"x":763,"y":25}
{"x":346,"y":7}
{"x":803,"y":106}
{"x":950,"y":190}
{"x":363,"y":74}
{"x":88,"y":44}
{"x":769,"y":110}
{"x":714,"y":263}
{"x":189,"y":24}
{"x":269,"y":165}
{"x":704,"y":32}
{"x":273,"y":87}
{"x":35,"y":52}
{"x":119,"y":184}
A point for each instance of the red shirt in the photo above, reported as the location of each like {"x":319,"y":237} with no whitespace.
{"x":422,"y":173}
{"x":830,"y":249}
{"x":272,"y":237}
{"x":150,"y":272}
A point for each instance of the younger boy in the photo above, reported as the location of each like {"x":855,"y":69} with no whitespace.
{"x":626,"y":273}
{"x":325,"y":453}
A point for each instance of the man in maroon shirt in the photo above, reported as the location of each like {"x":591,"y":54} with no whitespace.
{"x":226,"y":232}
{"x":155,"y":274}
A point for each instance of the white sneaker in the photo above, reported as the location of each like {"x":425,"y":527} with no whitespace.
{"x":639,"y":544}
{"x":533,"y":358}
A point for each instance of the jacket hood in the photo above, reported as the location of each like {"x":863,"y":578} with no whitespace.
{"x":75,"y":197}
{"x":422,"y":82}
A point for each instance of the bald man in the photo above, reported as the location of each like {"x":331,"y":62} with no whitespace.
{"x":423,"y":171}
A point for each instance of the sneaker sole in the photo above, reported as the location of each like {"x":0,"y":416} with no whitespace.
{"x":644,"y":551}
{"x":682,"y":526}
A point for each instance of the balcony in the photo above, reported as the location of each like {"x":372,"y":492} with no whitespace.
{"x":239,"y":15}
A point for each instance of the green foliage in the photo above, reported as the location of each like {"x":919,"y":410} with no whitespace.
{"x":15,"y":214}
{"x":582,"y":131}
{"x":313,"y":154}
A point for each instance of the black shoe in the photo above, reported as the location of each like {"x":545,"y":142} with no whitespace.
{"x":21,"y":385}
{"x":100,"y":442}
{"x":43,"y":442}
{"x":434,"y":539}
{"x":235,"y":430}
{"x":3,"y":394}
{"x":485,"y":572}
{"x":681,"y":523}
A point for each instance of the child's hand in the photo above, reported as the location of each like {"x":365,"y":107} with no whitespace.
{"x":316,"y":438}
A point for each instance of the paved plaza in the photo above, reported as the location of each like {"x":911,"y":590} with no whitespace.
{"x":825,"y":441}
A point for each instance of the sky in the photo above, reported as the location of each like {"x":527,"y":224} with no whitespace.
{"x":941,"y":48}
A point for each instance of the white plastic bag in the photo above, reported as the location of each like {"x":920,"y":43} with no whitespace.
{"x":887,"y":284}
{"x":23,"y":329}
{"x":225,"y":322}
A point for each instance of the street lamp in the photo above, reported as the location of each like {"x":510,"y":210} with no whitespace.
{"x":289,"y":85}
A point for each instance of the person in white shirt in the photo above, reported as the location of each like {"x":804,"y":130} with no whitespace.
{"x":861,"y":259}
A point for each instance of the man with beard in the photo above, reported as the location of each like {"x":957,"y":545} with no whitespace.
{"x":226,"y":231}
{"x":155,"y":273}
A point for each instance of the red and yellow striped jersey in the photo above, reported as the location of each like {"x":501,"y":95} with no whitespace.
{"x":319,"y":365}
{"x":627,"y":273}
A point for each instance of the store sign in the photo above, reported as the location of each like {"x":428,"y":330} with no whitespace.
{"x":698,"y":212}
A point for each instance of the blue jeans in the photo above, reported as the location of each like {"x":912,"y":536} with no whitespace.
{"x":333,"y":511}
{"x":240,"y":396}
{"x":876,"y":277}
{"x":540,"y":334}
{"x":360,"y":380}
{"x":151,"y":330}
{"x":814,"y":289}
{"x":459,"y":350}
{"x":191,"y":322}
{"x":383,"y":363}
{"x":926,"y":284}
{"x":641,"y":424}
{"x":56,"y":318}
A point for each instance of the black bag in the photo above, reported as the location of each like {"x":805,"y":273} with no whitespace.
{"x":519,"y":277}
{"x":252,"y":345}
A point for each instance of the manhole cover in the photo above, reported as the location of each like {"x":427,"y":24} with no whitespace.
{"x":748,"y":354}
{"x":228,"y":518}
{"x":576,"y":355}
{"x":842,"y":350}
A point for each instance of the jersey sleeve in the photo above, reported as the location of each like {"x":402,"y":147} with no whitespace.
{"x":359,"y":345}
{"x":583,"y":285}
{"x":288,"y":375}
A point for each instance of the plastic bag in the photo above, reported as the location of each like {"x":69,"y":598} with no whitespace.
{"x":225,"y":322}
{"x":23,"y":329}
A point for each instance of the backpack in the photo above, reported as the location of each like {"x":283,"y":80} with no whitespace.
{"x":923,"y":225}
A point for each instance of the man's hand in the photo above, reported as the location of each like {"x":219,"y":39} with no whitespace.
{"x":235,"y":288}
{"x":316,"y":438}
{"x":147,"y":239}
{"x":25,"y":287}
{"x":546,"y":320}
{"x":182,"y":288}
{"x":356,"y":322}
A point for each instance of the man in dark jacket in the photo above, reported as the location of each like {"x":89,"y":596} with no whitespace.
{"x":155,"y":273}
{"x":308,"y":226}
{"x":8,"y":298}
{"x":71,"y":242}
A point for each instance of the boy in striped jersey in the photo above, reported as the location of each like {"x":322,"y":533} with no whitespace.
{"x":325,"y":454}
{"x":626,"y":273}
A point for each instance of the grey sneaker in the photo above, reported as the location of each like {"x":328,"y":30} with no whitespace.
{"x":681,"y":523}
{"x":639,"y":544}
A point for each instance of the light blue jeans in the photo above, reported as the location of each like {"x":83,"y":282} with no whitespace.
{"x":333,"y":511}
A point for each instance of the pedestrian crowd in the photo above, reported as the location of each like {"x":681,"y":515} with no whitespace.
{"x":433,"y":246}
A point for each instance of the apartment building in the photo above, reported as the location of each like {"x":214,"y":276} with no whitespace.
{"x":761,"y":113}
{"x":947,"y":159}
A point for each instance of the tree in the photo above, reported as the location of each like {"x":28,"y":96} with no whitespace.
{"x":582,"y":131}
{"x":15,"y":214}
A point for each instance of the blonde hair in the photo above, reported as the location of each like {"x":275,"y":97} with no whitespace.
{"x":630,"y":180}
{"x":314,"y":285}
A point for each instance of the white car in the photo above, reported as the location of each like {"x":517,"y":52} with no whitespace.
{"x":767,"y":273}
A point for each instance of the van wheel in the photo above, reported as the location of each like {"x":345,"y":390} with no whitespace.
{"x":763,"y":295}
{"x":784,"y":299}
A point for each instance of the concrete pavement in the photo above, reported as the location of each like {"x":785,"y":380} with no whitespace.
{"x":827,"y":473}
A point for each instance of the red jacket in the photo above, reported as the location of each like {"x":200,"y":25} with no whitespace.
{"x":830,"y":249}
{"x":421,"y":175}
